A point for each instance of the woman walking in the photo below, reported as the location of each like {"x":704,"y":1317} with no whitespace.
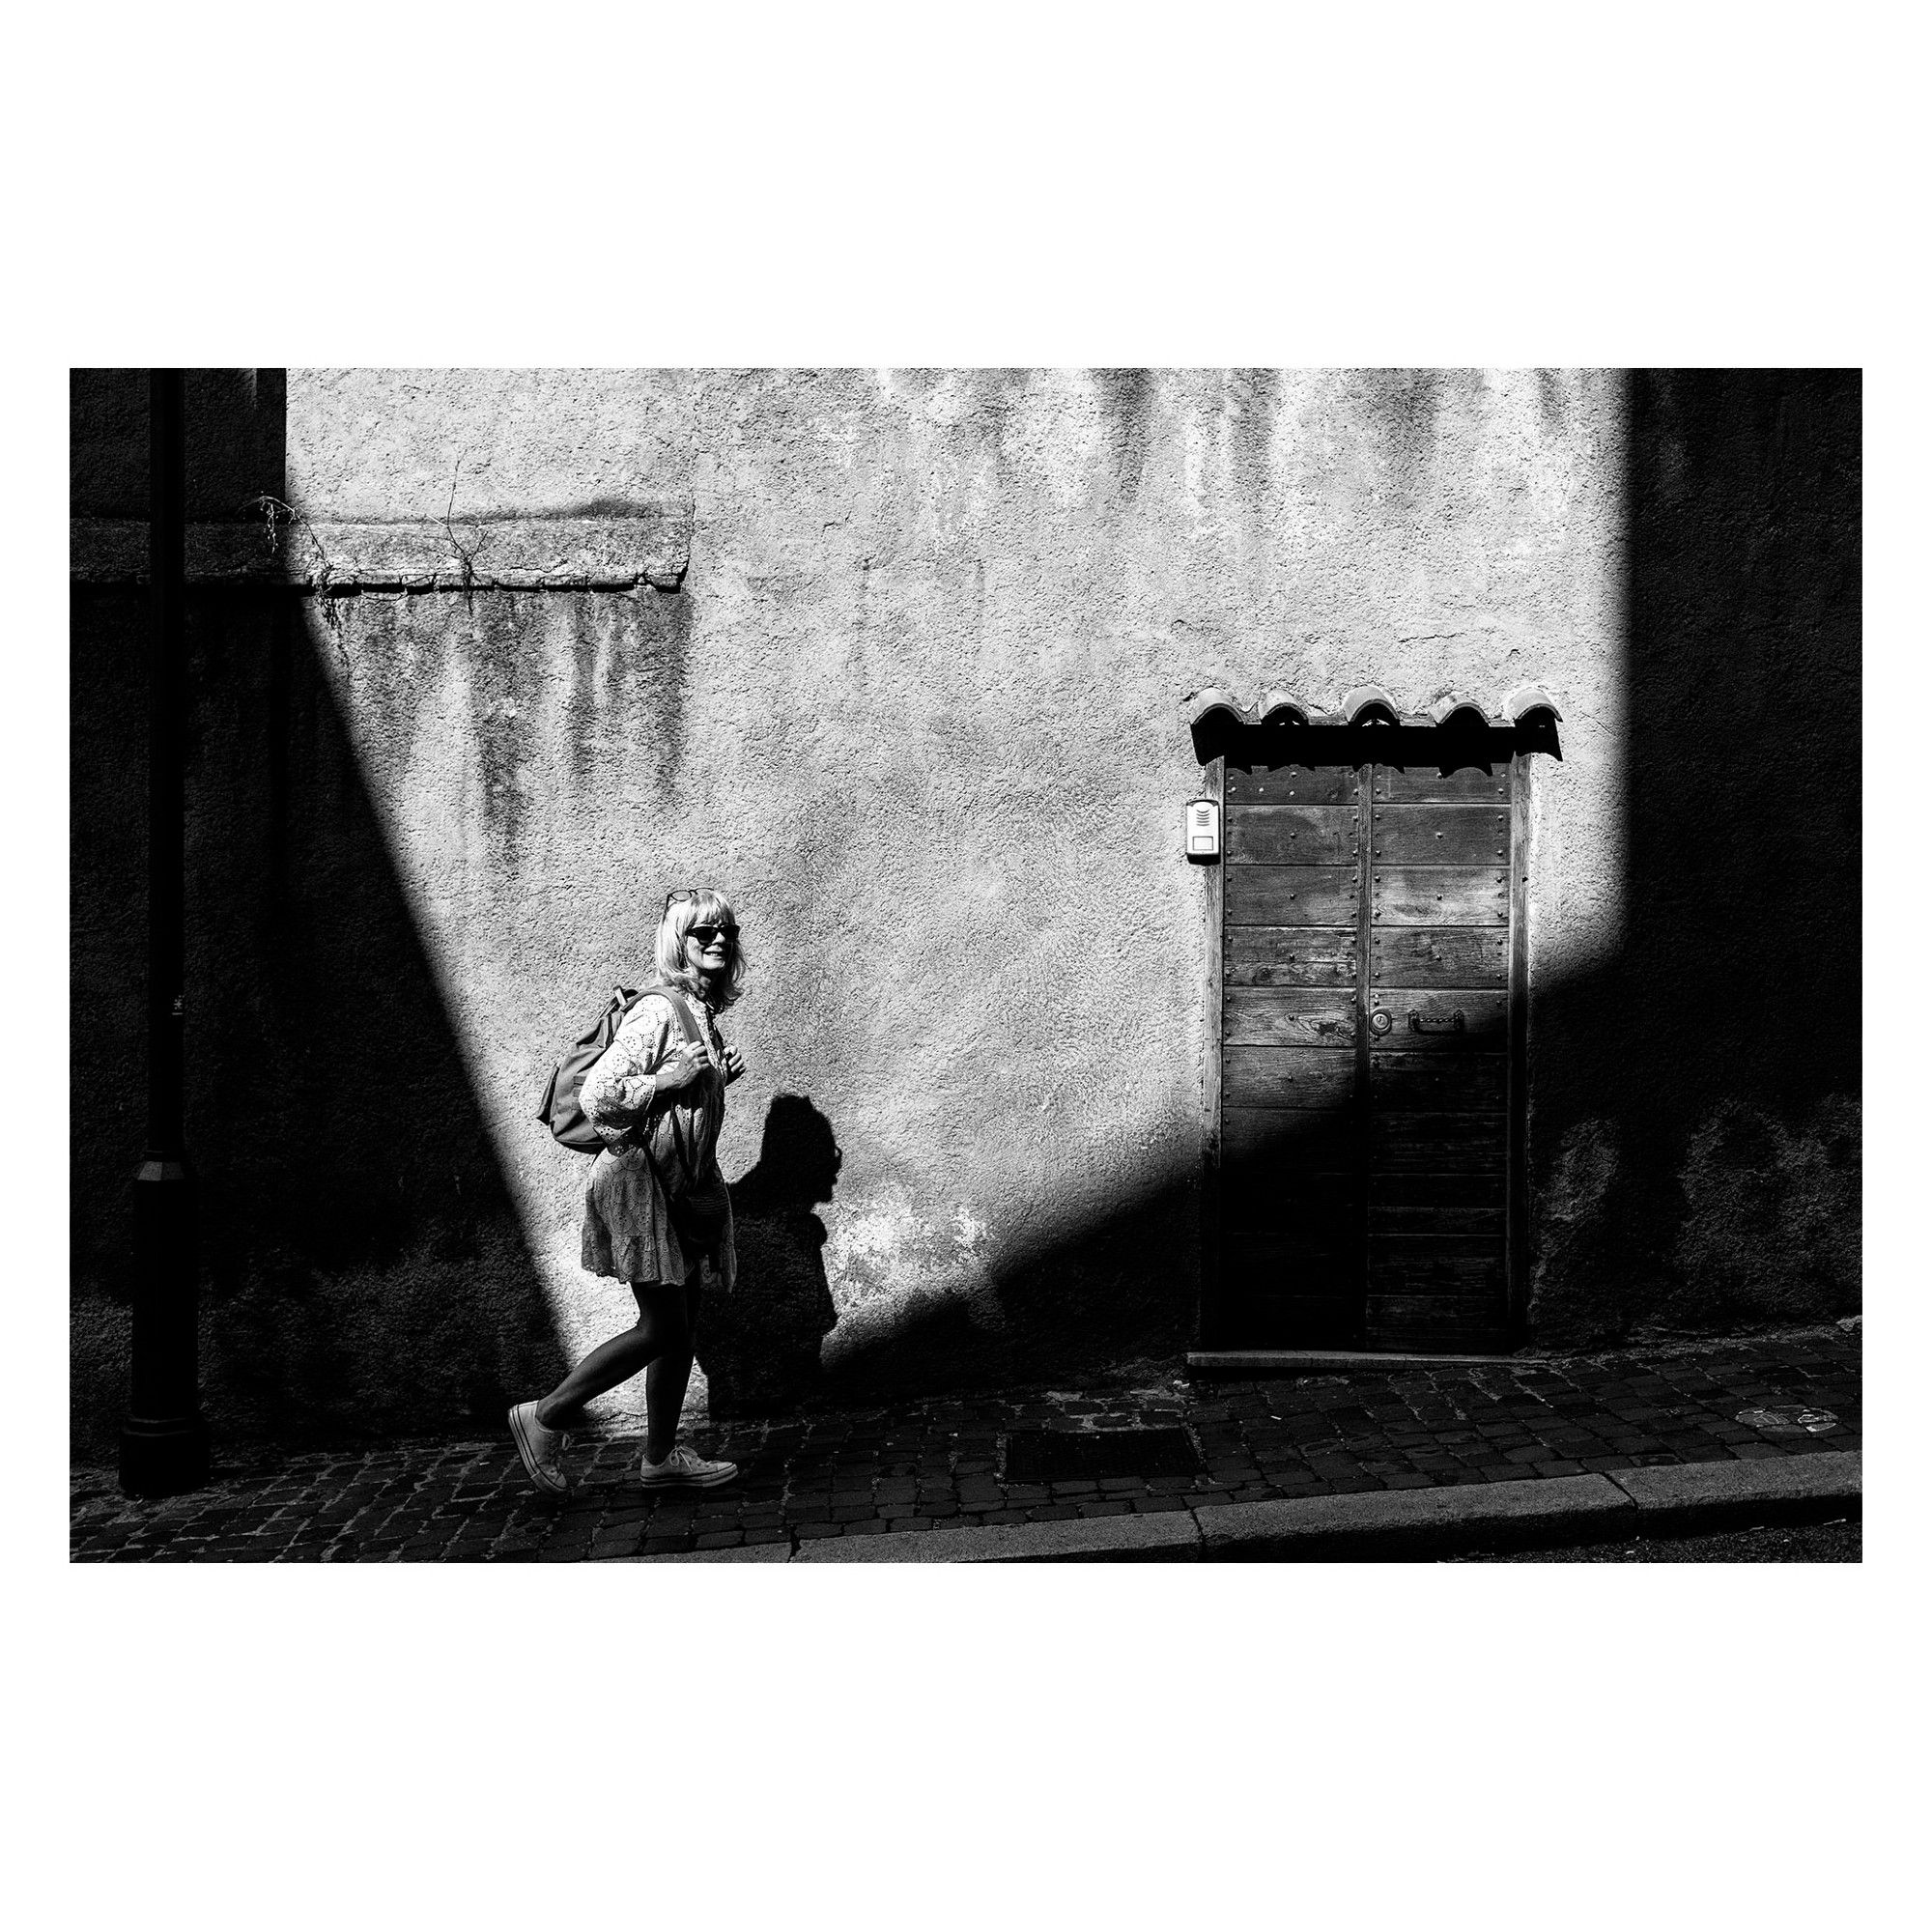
{"x":657,"y":1101}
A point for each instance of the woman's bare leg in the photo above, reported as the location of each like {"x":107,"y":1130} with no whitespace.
{"x":662,"y":1332}
{"x":667,"y":1378}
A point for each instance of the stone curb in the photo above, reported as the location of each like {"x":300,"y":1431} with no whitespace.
{"x":1403,"y":1524}
{"x":743,"y":1553}
{"x":1683,"y":1499}
{"x":1171,"y":1536}
{"x":1383,"y":1526}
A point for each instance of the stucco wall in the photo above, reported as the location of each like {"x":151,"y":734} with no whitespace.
{"x":920,"y":707}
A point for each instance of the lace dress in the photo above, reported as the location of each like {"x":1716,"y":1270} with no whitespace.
{"x":627,"y":1227}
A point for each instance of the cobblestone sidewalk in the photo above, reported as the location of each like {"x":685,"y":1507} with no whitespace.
{"x":915,"y":1465}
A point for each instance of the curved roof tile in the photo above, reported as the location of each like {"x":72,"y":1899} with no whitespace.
{"x":1451,"y":706}
{"x":1204,"y":703}
{"x":1366,"y":697}
{"x":1283,"y":707}
{"x":1526,"y":698}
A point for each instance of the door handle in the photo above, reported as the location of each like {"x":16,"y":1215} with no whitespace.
{"x":1435,"y":1022}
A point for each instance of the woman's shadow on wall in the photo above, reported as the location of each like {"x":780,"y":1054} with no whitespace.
{"x":759,"y":1345}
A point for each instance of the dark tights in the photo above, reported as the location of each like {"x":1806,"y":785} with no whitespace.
{"x":659,"y":1343}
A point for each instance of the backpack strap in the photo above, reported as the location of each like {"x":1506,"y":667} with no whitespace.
{"x":687,"y":1022}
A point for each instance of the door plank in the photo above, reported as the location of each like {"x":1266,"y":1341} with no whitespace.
{"x":1309,"y":1190}
{"x":1423,"y":1250}
{"x":1287,"y":1076}
{"x":1267,"y":1173}
{"x":1434,"y":1219}
{"x":1429,"y":955}
{"x":1275,"y":1264}
{"x":1292,"y":784}
{"x":1437,"y":1142}
{"x":1440,"y":895}
{"x":1295,"y":956}
{"x":1290,"y":895}
{"x":1393,"y":785}
{"x":1402,"y":1339}
{"x":1296,"y":835}
{"x":1457,"y":1276}
{"x":1328,"y":1225}
{"x":1435,"y":1311}
{"x":1288,"y":1016}
{"x":1414,"y":1014}
{"x":1448,"y":1190}
{"x":1300,"y":1322}
{"x":1483,"y":1131}
{"x":1438,"y":1159}
{"x":1441,"y":835}
{"x":1319,"y":1140}
{"x":1410,"y":1083}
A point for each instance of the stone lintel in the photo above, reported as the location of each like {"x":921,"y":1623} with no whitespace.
{"x":652,"y":548}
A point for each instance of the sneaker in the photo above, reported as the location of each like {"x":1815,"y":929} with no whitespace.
{"x":681,"y":1469}
{"x":542,"y":1450}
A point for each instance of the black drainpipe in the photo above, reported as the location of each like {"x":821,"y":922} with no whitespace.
{"x":164,"y":1441}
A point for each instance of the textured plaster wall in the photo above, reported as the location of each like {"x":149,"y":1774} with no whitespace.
{"x":920,"y":707}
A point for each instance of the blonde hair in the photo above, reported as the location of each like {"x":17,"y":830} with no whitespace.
{"x":702,"y":908}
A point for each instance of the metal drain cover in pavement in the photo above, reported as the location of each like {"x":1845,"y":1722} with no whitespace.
{"x":1790,"y":1418}
{"x":1086,"y":1455}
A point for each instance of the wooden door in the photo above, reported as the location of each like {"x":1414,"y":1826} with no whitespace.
{"x":1367,"y":954}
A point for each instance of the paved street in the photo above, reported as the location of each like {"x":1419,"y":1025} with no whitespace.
{"x":1801,"y":1542}
{"x":959,"y":1461}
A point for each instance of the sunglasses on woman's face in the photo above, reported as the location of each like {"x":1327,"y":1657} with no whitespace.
{"x":703,"y":935}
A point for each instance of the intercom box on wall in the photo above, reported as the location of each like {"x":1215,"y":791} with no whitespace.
{"x":1202,"y":835}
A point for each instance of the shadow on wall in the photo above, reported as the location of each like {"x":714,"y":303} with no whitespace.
{"x":363,"y":1268}
{"x":759,"y":1344}
{"x":1103,"y":1288}
{"x":1696,"y":1147}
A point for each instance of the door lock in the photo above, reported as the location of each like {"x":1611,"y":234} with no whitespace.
{"x":1380,"y":1022}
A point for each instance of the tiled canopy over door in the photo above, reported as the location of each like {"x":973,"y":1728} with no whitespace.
{"x":1366,"y":926}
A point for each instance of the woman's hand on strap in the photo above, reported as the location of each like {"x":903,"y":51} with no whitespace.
{"x":733,"y":1065}
{"x":681,"y":1067}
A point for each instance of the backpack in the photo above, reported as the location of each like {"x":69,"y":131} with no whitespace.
{"x":562,"y":1108}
